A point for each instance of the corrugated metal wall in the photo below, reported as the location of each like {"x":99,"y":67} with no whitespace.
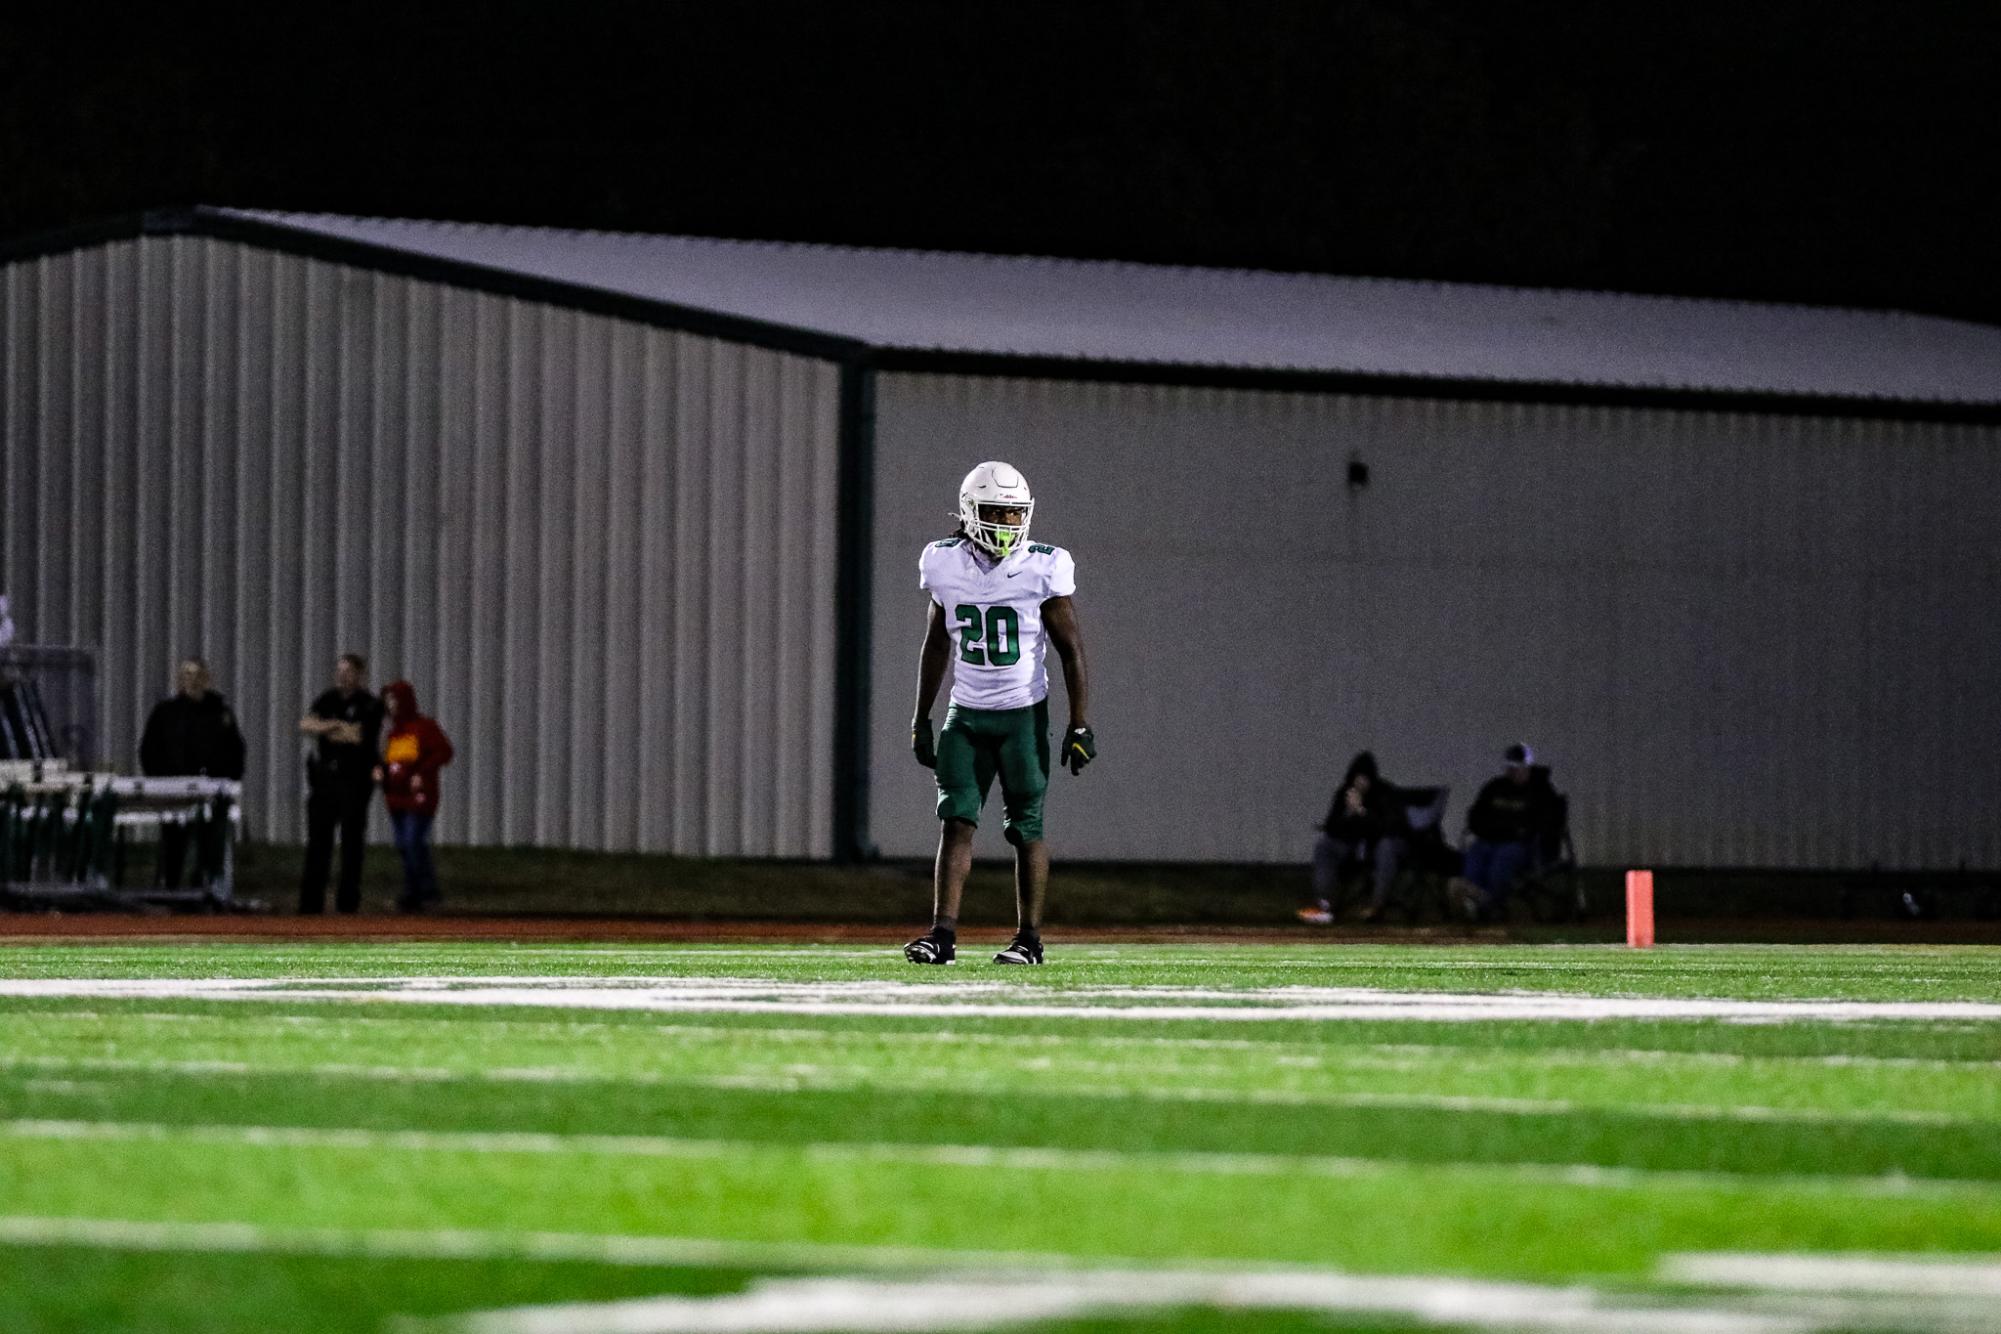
{"x":1739,"y":639}
{"x":602,"y":551}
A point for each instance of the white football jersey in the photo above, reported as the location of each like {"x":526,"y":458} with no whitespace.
{"x":994,"y":610}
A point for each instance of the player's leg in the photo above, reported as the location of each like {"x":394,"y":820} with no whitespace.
{"x":948,"y":884}
{"x":1031,"y":884}
{"x":1024,"y":775}
{"x":1031,"y":889}
{"x":964,"y":773}
{"x":948,"y":873}
{"x":967,"y":759}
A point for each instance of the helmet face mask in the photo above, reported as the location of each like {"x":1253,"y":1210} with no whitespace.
{"x":989,"y":489}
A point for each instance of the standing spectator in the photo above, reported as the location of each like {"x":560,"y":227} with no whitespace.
{"x":1364,"y":824}
{"x":192,"y":733}
{"x":347,"y":722}
{"x":413,"y":752}
{"x":1505,"y":820}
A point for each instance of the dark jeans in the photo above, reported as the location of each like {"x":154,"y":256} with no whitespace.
{"x":326,"y":811}
{"x":1493,"y":867}
{"x":1330,"y":854}
{"x":413,"y":841}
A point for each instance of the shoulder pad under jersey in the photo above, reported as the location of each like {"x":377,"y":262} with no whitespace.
{"x":1041,"y":549}
{"x":947,"y":542}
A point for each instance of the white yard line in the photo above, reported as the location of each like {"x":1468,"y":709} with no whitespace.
{"x":979,"y":1157}
{"x":989,"y":1301}
{"x":470,"y":1244}
{"x":839,"y":1079}
{"x":1789,"y":1294}
{"x":1456,"y":1053}
{"x":1946,"y":1275}
{"x":926,"y":1000}
{"x":979,"y":1289}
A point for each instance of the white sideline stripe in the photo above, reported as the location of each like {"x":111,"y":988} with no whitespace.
{"x":987,"y":1301}
{"x":820,"y":1081}
{"x":1942,"y":1275}
{"x":982,"y":1157}
{"x":889,"y":999}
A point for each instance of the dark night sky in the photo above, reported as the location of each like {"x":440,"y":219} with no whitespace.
{"x":1830,"y":152}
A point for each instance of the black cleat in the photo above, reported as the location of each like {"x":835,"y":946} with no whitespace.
{"x":932,"y":948}
{"x":1024,"y":949}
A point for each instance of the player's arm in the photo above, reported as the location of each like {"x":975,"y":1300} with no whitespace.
{"x":1059,"y":619}
{"x":931,"y":662}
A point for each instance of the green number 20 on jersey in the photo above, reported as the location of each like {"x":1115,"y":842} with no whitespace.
{"x":999,"y":628}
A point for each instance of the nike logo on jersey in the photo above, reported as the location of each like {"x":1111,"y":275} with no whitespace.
{"x":1012,"y":573}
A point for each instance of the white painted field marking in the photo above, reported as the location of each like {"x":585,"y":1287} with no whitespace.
{"x":804,"y":1301}
{"x":900,"y":999}
{"x":679,"y":953}
{"x":63,"y":1086}
{"x":979,"y":1157}
{"x":989,"y":1301}
{"x":1348,"y":1054}
{"x":459,"y":1243}
{"x":976,"y":1156}
{"x":1946,"y":1275}
{"x":799,"y":1304}
{"x":821,"y":1079}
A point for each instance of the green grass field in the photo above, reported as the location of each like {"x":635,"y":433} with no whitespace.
{"x":197,"y":1136}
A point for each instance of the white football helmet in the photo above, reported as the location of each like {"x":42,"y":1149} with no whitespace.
{"x":996,"y":485}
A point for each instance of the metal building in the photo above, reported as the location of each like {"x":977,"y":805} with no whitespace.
{"x":640,"y":516}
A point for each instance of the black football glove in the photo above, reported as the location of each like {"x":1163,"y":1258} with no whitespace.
{"x":1079,"y":749}
{"x":920,"y":743}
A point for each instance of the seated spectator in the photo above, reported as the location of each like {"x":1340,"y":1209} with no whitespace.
{"x":191,"y":734}
{"x":1365,"y":823}
{"x":1506,"y":818}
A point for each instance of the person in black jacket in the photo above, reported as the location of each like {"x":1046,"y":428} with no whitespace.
{"x":346,"y":723}
{"x":1510,"y":812}
{"x":193,"y":733}
{"x":1364,"y":824}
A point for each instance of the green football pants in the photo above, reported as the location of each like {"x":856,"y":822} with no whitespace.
{"x":979,"y":743}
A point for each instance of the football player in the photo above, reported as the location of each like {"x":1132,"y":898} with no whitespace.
{"x":997,"y":602}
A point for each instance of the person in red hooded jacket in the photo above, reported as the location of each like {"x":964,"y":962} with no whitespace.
{"x":413,"y":751}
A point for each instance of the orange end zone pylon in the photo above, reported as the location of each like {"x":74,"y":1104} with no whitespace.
{"x":1640,"y":909}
